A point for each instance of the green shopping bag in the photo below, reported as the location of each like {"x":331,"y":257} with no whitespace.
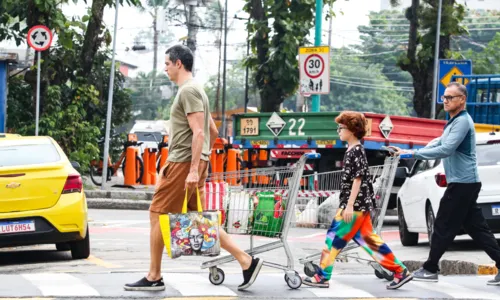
{"x":268,"y":215}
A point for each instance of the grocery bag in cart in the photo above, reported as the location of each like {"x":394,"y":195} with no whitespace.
{"x":215,"y":197}
{"x":268,"y":215}
{"x":238,"y":212}
{"x":191,"y":233}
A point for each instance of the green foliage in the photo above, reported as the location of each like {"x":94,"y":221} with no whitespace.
{"x":277,"y":30}
{"x":486,"y":61}
{"x":147,"y":99}
{"x":73,"y":101}
{"x":362,"y":87}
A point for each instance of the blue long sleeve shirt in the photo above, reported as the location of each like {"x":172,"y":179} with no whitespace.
{"x":457,"y":148}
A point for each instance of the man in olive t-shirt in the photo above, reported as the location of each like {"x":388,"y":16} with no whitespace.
{"x":192,"y":136}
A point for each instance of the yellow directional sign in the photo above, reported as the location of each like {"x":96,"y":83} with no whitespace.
{"x":446,"y":79}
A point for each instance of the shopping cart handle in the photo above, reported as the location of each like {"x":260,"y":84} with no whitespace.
{"x":313,"y":155}
{"x":405,"y":156}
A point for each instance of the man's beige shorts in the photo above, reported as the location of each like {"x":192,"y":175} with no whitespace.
{"x":169,"y":194}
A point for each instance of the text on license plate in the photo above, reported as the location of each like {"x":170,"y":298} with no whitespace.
{"x":20,"y":226}
{"x":495,"y":210}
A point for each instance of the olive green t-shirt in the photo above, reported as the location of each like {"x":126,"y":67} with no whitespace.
{"x":190,"y":98}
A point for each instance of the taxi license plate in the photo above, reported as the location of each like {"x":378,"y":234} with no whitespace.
{"x":20,"y":226}
{"x":495,"y":210}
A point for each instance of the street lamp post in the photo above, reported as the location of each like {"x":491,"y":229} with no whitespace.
{"x":436,"y":63}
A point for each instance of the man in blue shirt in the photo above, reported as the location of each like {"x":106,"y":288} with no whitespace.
{"x":458,"y":207}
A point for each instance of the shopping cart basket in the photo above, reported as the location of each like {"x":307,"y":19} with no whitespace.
{"x":328,"y":183}
{"x":260,"y":202}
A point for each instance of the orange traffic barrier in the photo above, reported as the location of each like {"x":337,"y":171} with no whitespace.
{"x":163,"y":156}
{"x":245,"y":159}
{"x":149,"y":159}
{"x":232,"y":160}
{"x":262,"y":179}
{"x":219,"y":166}
{"x":130,"y":167}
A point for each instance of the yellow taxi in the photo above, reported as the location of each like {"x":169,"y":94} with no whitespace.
{"x":41,"y":196}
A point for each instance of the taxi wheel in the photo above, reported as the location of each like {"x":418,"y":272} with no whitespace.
{"x":81,"y":249}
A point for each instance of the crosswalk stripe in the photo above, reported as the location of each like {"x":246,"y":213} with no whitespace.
{"x":455,"y":291}
{"x":340,"y":290}
{"x":60,"y":284}
{"x":195,"y":285}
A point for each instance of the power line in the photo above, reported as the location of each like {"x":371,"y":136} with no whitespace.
{"x":373,"y":87}
{"x":373,"y":79}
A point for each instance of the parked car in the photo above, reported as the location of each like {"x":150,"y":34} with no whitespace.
{"x":42,"y":199}
{"x":419,"y":196}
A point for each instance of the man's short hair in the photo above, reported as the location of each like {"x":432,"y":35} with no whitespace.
{"x":182,"y":53}
{"x":460,"y":87}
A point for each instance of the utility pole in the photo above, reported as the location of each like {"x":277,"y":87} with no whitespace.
{"x":436,"y":63}
{"x":316,"y":100}
{"x":224,"y":83}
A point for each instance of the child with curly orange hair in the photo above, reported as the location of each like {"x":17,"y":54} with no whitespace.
{"x":353,"y":220}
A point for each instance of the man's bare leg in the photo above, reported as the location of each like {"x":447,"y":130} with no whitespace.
{"x":227,"y":244}
{"x":156,"y":247}
{"x":250,"y":266}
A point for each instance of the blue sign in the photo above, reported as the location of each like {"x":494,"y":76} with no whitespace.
{"x":448,"y":68}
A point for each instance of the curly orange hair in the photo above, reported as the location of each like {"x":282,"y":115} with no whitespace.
{"x":354,"y":121}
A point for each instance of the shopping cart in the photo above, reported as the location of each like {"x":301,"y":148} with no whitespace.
{"x":260,"y":202}
{"x":329,"y":183}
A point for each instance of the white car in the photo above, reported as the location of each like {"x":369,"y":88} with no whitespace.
{"x":420,"y":195}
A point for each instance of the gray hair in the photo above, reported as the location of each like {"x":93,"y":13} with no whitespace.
{"x":459,"y":86}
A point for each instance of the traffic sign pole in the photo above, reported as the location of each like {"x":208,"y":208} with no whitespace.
{"x":316,"y":100}
{"x":436,"y":63}
{"x":110,"y":104}
{"x":38,"y":68}
{"x":33,"y":38}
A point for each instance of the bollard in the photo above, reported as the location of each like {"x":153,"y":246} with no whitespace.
{"x":145,"y":160}
{"x":262,"y":179}
{"x":232,"y":160}
{"x":246,"y":160}
{"x":152,"y":166}
{"x":163,"y":157}
{"x":130,"y":167}
{"x":219,"y":165}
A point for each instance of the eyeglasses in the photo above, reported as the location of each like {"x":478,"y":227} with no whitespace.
{"x":449,"y":98}
{"x":339,"y":129}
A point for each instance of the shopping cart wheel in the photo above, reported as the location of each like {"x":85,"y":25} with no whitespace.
{"x":293,"y":282}
{"x":379,"y":275}
{"x":388,"y":276}
{"x":218,"y":278}
{"x":310,"y":269}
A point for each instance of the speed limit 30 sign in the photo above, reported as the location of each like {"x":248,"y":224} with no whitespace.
{"x":314,"y":65}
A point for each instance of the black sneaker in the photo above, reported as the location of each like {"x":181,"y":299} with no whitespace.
{"x":250,"y":274}
{"x":424,"y":275}
{"x":400,"y":280}
{"x":319,"y":281}
{"x":145,"y":285}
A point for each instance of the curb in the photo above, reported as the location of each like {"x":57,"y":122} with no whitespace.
{"x":104,"y":203}
{"x":455,"y":267}
{"x":125,"y":195}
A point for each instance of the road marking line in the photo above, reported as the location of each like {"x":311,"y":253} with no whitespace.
{"x":195,"y":285}
{"x":201,"y":298}
{"x":53,"y":284}
{"x":102,"y":263}
{"x":454,"y":290}
{"x":340,"y":290}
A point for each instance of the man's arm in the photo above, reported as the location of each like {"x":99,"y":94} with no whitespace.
{"x":213,"y":133}
{"x":457,"y":134}
{"x":196,"y":123}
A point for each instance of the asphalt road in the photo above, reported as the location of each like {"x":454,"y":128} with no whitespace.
{"x":120,"y":254}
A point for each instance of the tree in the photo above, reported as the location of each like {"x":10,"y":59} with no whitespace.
{"x":235,"y":89}
{"x":363,"y":87}
{"x":148,"y":99}
{"x":278,"y":28}
{"x":74,"y":94}
{"x":156,"y":5}
{"x":486,"y":61}
{"x":419,"y":59}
